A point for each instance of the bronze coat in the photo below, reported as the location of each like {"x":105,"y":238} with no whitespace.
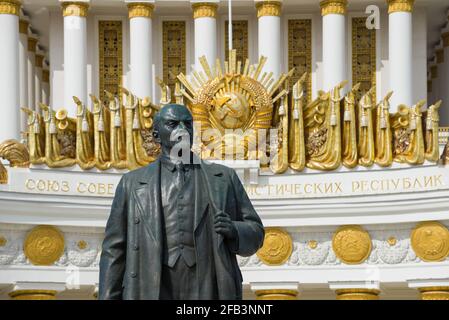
{"x":131,"y":258}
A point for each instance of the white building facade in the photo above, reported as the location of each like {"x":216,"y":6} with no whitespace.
{"x":346,"y":233}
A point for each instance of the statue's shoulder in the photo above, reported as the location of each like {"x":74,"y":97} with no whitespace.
{"x":133,"y":176}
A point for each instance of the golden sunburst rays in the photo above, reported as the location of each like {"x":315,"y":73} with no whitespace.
{"x":232,"y":95}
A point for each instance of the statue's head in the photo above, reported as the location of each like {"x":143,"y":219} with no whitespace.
{"x":173,"y":129}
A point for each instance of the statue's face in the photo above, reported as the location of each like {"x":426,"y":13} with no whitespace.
{"x":175,"y":128}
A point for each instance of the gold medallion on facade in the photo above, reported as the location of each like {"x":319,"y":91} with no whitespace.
{"x":277,"y":247}
{"x":44,"y":245}
{"x":351,"y":244}
{"x":430,"y":241}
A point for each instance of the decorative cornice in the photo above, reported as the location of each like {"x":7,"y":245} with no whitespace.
{"x":140,"y":9}
{"x":46,"y":76}
{"x":204,"y":10}
{"x":32,"y":42}
{"x":75,"y":8}
{"x":333,"y":7}
{"x":268,"y":8}
{"x":10,"y":7}
{"x":39,"y":59}
{"x":400,"y":5}
{"x":23,"y":26}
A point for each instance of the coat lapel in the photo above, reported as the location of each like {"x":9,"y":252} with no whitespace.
{"x":210,"y":191}
{"x":148,"y":199}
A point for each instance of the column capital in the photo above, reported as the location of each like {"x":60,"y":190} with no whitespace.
{"x":400,"y":5}
{"x":74,"y":8}
{"x":333,"y":7}
{"x":268,"y":8}
{"x":23,"y":26}
{"x":204,"y":9}
{"x":10,"y":7}
{"x":39,"y":59}
{"x":32,"y":42}
{"x":140,"y":8}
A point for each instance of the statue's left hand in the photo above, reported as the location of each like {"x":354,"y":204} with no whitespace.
{"x":224,"y":226}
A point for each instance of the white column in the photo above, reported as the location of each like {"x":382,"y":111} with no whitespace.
{"x":9,"y":70}
{"x":46,"y":86}
{"x":32,"y":44}
{"x":269,"y":37}
{"x":38,"y":77}
{"x":23,"y":70}
{"x":141,"y":41}
{"x":205,"y":15}
{"x":334,"y":42}
{"x":400,"y":52}
{"x":75,"y":53}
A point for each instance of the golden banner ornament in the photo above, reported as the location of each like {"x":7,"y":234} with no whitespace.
{"x":44,"y":245}
{"x":430,"y":241}
{"x":277,"y":247}
{"x":351,"y":244}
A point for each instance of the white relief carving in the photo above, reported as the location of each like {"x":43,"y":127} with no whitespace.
{"x":10,"y":248}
